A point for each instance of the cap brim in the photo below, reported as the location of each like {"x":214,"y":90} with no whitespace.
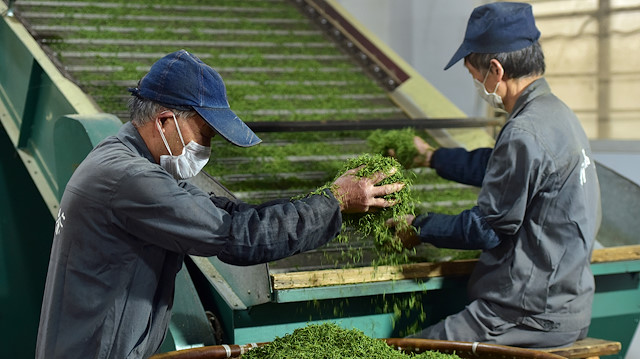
{"x":229,"y":125}
{"x":459,"y":55}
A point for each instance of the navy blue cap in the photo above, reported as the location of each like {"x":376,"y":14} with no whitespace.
{"x":498,"y":27}
{"x":182,"y":81}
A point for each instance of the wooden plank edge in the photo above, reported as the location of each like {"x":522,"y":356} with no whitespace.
{"x":616,"y":254}
{"x":295,"y":280}
{"x":588,"y":347}
{"x":308,"y":279}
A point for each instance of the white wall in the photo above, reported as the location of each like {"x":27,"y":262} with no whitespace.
{"x":426,"y":34}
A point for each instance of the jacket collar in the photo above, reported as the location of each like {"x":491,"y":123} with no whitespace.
{"x":130,"y":137}
{"x":537,"y":88}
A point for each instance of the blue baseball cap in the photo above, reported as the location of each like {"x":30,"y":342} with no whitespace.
{"x":182,"y":81}
{"x":498,"y":27}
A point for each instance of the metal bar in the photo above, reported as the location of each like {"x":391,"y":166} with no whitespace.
{"x":10,"y":9}
{"x":33,"y":93}
{"x":604,"y":69}
{"x":362,"y":41}
{"x":357,"y":290}
{"x":372,"y":124}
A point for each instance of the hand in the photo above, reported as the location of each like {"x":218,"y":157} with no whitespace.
{"x":405,"y":230}
{"x":360,"y":194}
{"x":423,"y":159}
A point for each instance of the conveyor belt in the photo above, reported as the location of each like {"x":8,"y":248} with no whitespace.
{"x":284,"y":69}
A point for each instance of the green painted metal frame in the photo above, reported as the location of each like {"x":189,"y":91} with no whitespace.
{"x":33,"y":96}
{"x":24,"y":222}
{"x":37,"y":106}
{"x":189,"y":327}
{"x":616,"y":307}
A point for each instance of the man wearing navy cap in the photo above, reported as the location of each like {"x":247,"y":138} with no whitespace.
{"x":127,"y":218}
{"x":538,"y":209}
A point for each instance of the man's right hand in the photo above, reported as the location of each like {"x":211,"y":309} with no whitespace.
{"x":360,"y":194}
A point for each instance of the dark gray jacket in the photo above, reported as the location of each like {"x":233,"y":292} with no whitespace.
{"x":536,"y":219}
{"x":123,"y":230}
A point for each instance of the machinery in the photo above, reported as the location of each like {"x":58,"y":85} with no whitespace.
{"x":49,"y":124}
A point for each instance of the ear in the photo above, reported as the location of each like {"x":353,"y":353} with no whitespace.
{"x":162,"y":117}
{"x":496,"y":68}
{"x":165,"y":114}
{"x":159,"y":123}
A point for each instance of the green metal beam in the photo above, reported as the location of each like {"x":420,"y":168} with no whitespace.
{"x":33,"y":95}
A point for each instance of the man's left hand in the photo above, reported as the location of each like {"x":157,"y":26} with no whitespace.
{"x":405,"y":232}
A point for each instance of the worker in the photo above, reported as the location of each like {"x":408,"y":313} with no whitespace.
{"x":127,"y":217}
{"x":538,"y":208}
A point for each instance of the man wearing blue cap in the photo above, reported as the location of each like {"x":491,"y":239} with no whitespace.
{"x":538,"y":209}
{"x":127,"y":218}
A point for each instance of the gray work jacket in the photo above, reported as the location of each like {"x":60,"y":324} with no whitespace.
{"x":123,"y":230}
{"x":536,"y":219}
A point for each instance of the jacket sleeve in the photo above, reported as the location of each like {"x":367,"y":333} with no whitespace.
{"x":467,"y":230}
{"x":236,"y":205}
{"x":151,"y":207}
{"x":514,"y":171}
{"x":282,"y":228}
{"x":460,"y":165}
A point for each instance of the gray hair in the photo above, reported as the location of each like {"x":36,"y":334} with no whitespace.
{"x":516,"y":64}
{"x":142,"y":111}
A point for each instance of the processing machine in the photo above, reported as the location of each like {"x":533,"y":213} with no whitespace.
{"x":49,"y":124}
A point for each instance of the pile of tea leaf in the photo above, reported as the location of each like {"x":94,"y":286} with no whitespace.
{"x":328,"y":340}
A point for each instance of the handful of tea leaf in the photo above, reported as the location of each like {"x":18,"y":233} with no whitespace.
{"x":372,"y":224}
{"x":400,"y":141}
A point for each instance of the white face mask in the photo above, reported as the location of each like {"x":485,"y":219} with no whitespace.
{"x":492,"y":98}
{"x":186,"y":165}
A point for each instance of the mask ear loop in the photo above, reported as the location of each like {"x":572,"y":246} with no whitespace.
{"x":166,"y":145}
{"x":485,"y":80}
{"x":178,"y":128}
{"x":163,"y":138}
{"x":162,"y":134}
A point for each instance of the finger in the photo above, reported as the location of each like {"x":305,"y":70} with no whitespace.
{"x":419,"y":142}
{"x":354,"y":171}
{"x":382,"y":203}
{"x":379,"y":191}
{"x":391,"y":222}
{"x":351,"y":172}
{"x":380,"y":175}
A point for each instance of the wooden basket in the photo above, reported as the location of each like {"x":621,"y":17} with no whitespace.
{"x":462,"y":349}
